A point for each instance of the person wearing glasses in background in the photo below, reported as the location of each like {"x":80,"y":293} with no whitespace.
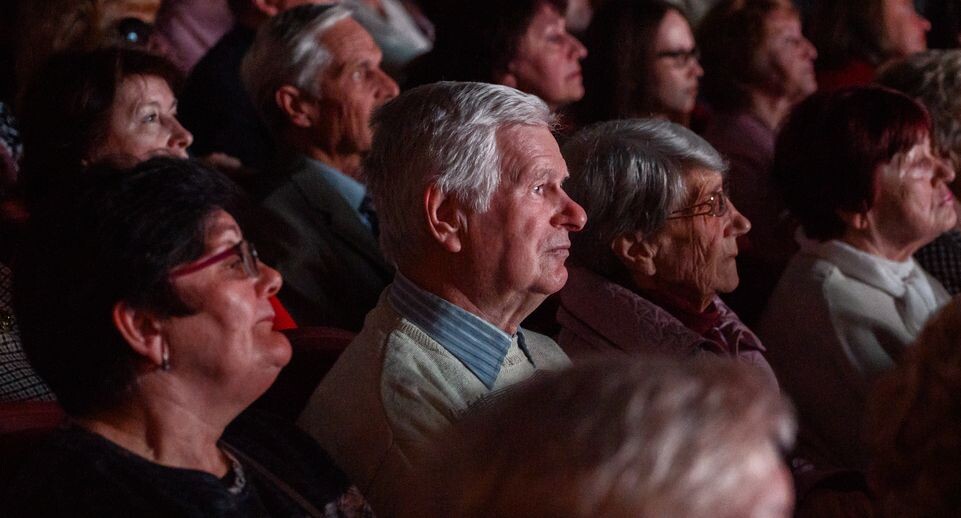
{"x":148,"y":313}
{"x":642,"y":62}
{"x":658,"y":247}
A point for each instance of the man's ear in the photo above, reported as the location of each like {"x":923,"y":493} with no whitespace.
{"x":299,"y":108}
{"x":141,"y":330}
{"x":635,"y":252}
{"x":444,"y":218}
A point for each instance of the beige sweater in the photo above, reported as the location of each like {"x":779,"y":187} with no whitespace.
{"x":377,"y":410}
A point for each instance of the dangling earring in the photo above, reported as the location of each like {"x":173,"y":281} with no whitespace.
{"x":165,"y":358}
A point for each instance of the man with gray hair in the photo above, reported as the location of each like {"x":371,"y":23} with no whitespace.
{"x":467,"y":178}
{"x":314,"y":74}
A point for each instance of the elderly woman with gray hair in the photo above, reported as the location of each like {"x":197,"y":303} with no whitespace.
{"x":658,"y":247}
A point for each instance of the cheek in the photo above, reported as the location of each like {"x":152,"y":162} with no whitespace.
{"x":707,"y":253}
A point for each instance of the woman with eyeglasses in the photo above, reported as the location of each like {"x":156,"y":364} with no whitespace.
{"x":642,"y":62}
{"x":147,"y":312}
{"x":857,"y":170}
{"x":658,"y":247}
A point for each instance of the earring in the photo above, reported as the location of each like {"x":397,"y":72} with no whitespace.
{"x":165,"y":358}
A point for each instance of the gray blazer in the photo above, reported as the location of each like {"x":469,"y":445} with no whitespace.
{"x":332,"y":266}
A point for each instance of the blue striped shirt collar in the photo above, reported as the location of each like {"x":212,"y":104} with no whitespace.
{"x":476,"y":343}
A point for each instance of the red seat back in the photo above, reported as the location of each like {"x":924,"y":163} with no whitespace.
{"x":23,"y":426}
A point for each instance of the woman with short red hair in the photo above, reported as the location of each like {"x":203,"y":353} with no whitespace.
{"x":857,"y":170}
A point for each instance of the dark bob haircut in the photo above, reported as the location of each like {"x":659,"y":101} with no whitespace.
{"x":729,"y":38}
{"x":107,"y":236}
{"x":620,"y":44}
{"x":66,"y":110}
{"x":476,"y":40}
{"x":828,"y":154}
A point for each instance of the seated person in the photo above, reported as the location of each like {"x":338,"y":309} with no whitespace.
{"x":648,"y":438}
{"x":857,"y":170}
{"x":147,"y":312}
{"x":317,"y":224}
{"x":643,"y":62}
{"x":659,"y":245}
{"x":855,"y":37}
{"x":84,"y":107}
{"x":519,"y":43}
{"x":931,"y":78}
{"x":914,"y":423}
{"x":467,"y":177}
{"x":757,"y":66}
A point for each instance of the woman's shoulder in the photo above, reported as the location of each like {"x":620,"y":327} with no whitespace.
{"x":75,"y":473}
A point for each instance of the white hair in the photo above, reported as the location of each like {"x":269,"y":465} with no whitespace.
{"x":648,"y":437}
{"x":442,"y":134}
{"x":287,"y":50}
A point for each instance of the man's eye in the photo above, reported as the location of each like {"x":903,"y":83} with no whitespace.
{"x":538,"y":189}
{"x":152,"y":117}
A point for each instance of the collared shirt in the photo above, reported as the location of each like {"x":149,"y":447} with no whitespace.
{"x":476,"y":343}
{"x":349,"y":189}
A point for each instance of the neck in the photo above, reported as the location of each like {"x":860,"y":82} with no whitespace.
{"x":770,"y":109}
{"x":682,"y":297}
{"x":348,"y":164}
{"x":504,"y":311}
{"x":870,"y":242}
{"x":167,"y":430}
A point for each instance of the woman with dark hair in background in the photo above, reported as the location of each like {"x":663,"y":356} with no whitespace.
{"x":643,"y":62}
{"x":757,"y":67}
{"x":519,"y":43}
{"x":84,"y":107}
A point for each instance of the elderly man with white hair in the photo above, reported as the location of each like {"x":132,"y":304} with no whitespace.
{"x":314,"y":74}
{"x":468,"y":179}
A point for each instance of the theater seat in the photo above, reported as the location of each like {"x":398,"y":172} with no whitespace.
{"x":23,"y":426}
{"x":315,"y":351}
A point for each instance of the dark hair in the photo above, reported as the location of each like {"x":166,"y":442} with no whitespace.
{"x":475,"y":41}
{"x":66,"y":109}
{"x":729,"y":38}
{"x":827,"y":155}
{"x":620,"y":44}
{"x":846,"y":30}
{"x":103,"y":237}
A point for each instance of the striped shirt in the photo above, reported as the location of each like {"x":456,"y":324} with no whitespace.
{"x":476,"y":343}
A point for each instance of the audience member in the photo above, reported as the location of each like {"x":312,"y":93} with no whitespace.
{"x":519,"y":43}
{"x":643,"y":62}
{"x":467,"y":178}
{"x":187,"y":29}
{"x":659,"y":245}
{"x":622,"y":439}
{"x":215,"y":105}
{"x":399,"y":29}
{"x":84,"y":107}
{"x":147,"y":312}
{"x":934,"y":79}
{"x":856,"y":168}
{"x":854,"y":37}
{"x":757,"y":66}
{"x":314,"y":75}
{"x":914,"y":425}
